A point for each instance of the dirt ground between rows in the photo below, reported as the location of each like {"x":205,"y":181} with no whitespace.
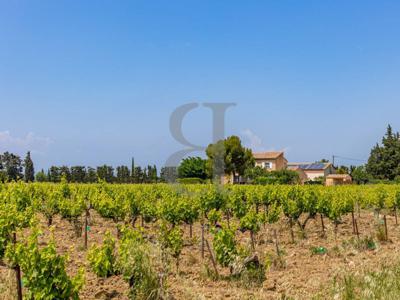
{"x":304,"y":275}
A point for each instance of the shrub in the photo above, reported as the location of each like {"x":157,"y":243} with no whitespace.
{"x":252,"y":276}
{"x":138,"y":267}
{"x":193,"y":180}
{"x":102,"y":258}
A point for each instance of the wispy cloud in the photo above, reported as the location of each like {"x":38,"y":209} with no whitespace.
{"x":31,"y":142}
{"x":255,"y":143}
{"x":251,"y":140}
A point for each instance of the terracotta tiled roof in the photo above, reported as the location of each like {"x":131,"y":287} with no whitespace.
{"x":267,"y":155}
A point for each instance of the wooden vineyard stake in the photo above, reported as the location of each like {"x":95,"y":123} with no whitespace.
{"x":386,"y":229}
{"x":17,"y":273}
{"x":86,"y":228}
{"x":212,"y":258}
{"x":357,"y":232}
{"x":353,"y":220}
{"x":395,"y":215}
{"x":202,"y":240}
{"x":276,"y":243}
{"x":291,"y":230}
{"x":253,"y":247}
{"x":323,"y":225}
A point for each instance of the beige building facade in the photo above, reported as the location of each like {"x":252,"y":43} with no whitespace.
{"x":272,"y":161}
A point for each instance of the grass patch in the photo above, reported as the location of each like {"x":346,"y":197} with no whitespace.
{"x":362,"y":244}
{"x":369,"y":285}
{"x":252,"y":276}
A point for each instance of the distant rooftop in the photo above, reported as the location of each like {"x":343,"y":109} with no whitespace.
{"x":309,"y":166}
{"x":267,"y":155}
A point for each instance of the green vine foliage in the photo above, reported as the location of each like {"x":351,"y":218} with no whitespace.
{"x":396,"y":199}
{"x":44,"y":271}
{"x":273,"y":213}
{"x":111,"y":206}
{"x":251,"y":222}
{"x":16,"y":212}
{"x":102,"y":259}
{"x":225,"y":246}
{"x":172,"y":240}
{"x":214,"y":216}
{"x":47,"y":202}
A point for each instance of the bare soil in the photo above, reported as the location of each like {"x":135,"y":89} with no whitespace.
{"x":303,"y":275}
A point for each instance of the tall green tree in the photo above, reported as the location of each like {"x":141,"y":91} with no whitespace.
{"x":228,"y":157}
{"x":133,"y":170}
{"x":359,"y":175}
{"x":78,"y":174}
{"x":41,"y":176}
{"x":144,"y":175}
{"x":29,"y":175}
{"x":66,"y":173}
{"x":91,"y":175}
{"x":151,"y":176}
{"x":123,"y":174}
{"x":384,"y":160}
{"x":54,"y":174}
{"x":192,"y":167}
{"x":343,"y":170}
{"x":106,"y":173}
{"x":169,"y":174}
{"x":154,"y":174}
{"x":12,"y":166}
{"x":138,"y":175}
{"x":3,"y":175}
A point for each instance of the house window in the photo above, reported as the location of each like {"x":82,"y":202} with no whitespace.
{"x":268,"y":165}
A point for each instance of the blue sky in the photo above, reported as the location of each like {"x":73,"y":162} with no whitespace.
{"x":92,"y":82}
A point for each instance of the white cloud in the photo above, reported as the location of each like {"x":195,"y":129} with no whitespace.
{"x":255,"y":143}
{"x":31,"y":142}
{"x":251,"y":140}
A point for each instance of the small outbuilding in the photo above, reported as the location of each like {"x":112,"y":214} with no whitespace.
{"x":338,"y":179}
{"x":315,"y":170}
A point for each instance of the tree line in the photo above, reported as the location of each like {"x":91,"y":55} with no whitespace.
{"x":226,"y":157}
{"x":82,"y":174}
{"x":13,"y":168}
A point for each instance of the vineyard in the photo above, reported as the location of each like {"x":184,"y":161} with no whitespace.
{"x":159,"y":241}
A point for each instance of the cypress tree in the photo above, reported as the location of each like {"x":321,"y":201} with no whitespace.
{"x":29,"y":169}
{"x":133,"y":171}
